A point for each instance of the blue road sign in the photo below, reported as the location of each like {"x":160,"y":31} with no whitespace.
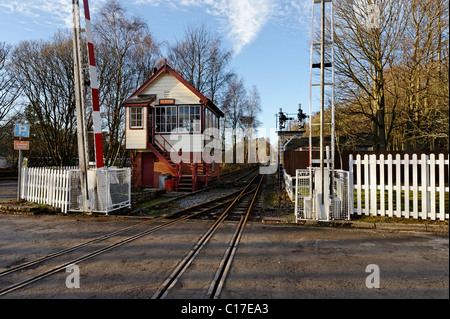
{"x":21,"y":130}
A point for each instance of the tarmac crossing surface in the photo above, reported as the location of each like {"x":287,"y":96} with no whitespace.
{"x":271,"y":262}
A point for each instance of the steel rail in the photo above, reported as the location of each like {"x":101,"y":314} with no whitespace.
{"x":106,"y":236}
{"x":225,"y":265}
{"x":196,"y":192}
{"x":173,"y":278}
{"x":99,"y":251}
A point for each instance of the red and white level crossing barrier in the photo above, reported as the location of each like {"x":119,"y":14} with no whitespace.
{"x":94,"y":89}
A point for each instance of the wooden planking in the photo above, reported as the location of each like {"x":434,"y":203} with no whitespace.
{"x":136,"y":139}
{"x":442,"y":188}
{"x":168,"y":83}
{"x":46,"y":186}
{"x":398,"y":186}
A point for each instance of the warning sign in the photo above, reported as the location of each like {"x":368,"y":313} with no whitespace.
{"x":22,"y":145}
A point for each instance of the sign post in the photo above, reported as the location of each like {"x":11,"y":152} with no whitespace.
{"x":21,"y":131}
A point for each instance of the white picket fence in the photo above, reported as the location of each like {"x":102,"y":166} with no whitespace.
{"x":110,"y":188}
{"x":408,"y":186}
{"x":426,"y":187}
{"x":289,"y":185}
{"x":46,"y":186}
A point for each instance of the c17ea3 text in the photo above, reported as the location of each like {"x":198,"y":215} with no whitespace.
{"x":230,"y":308}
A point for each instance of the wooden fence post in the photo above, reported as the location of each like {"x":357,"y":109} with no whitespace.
{"x":424,"y":185}
{"x":432,"y":163}
{"x":442,"y":187}
{"x":398,"y":186}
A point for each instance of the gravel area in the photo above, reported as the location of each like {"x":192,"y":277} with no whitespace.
{"x":202,"y":197}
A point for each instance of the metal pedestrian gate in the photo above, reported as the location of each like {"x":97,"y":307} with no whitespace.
{"x":108,"y":190}
{"x":333,"y":204}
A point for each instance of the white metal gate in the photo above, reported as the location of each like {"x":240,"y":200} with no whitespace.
{"x":302,"y":195}
{"x":108,"y":190}
{"x":342,"y":195}
{"x":311,"y":204}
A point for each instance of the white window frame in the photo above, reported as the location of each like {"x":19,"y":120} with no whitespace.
{"x":192,"y":127}
{"x":134,"y":118}
{"x":173,"y":123}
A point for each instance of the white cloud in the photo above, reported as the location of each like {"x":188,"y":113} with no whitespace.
{"x":242,"y":20}
{"x":294,"y":14}
{"x":54,"y":12}
{"x":60,"y":10}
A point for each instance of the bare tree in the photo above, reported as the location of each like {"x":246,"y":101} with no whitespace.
{"x":126,"y":55}
{"x":44,"y":70}
{"x":367,"y":36}
{"x":9,"y":90}
{"x":423,"y":75}
{"x":234,"y":108}
{"x":249,"y":119}
{"x":252,"y":109}
{"x":200,"y":60}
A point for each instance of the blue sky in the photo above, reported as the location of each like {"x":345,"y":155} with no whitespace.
{"x":270,"y":39}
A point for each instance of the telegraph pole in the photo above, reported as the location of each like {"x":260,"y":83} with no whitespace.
{"x":79,"y":103}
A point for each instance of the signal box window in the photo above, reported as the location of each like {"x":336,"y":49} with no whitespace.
{"x":136,"y":117}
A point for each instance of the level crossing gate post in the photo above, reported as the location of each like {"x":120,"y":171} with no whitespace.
{"x":79,"y":104}
{"x":88,"y":196}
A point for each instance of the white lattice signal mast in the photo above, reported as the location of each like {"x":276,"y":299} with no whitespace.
{"x":325,"y":44}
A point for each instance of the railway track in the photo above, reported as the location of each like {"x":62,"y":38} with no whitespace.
{"x":227,"y":179}
{"x":218,"y":280}
{"x":12,"y":279}
{"x":238,"y":175}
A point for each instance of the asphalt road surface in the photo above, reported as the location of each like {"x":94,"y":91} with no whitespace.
{"x":8,"y":190}
{"x":271,"y":262}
